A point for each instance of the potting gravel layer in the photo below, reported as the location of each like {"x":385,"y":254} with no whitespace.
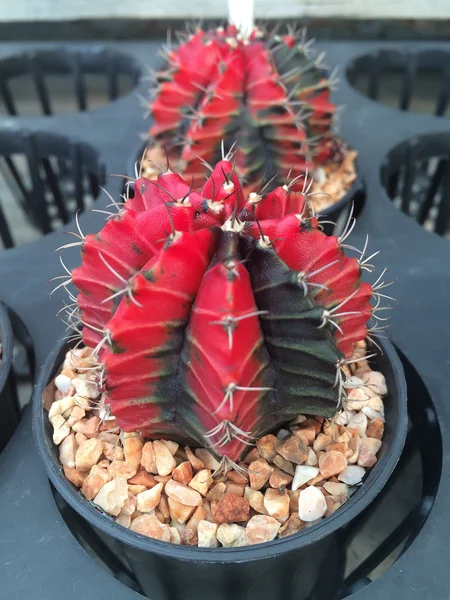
{"x":289,"y":480}
{"x":330,"y":182}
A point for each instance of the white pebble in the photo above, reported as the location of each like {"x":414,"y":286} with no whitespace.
{"x":311,"y":461}
{"x":60,"y":429}
{"x":352,"y":475}
{"x":376,"y":403}
{"x":311,"y":504}
{"x":358,"y":422}
{"x":231,"y":535}
{"x":207,"y":534}
{"x":61,"y":407}
{"x":85,"y":388}
{"x":372,"y":414}
{"x":63,"y":383}
{"x":303,"y":473}
{"x":343,"y":417}
{"x":376,"y":381}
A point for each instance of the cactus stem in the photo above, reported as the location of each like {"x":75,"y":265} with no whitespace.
{"x":113,"y":271}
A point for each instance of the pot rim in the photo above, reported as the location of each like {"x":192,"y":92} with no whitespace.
{"x":375,"y":481}
{"x":7,"y":340}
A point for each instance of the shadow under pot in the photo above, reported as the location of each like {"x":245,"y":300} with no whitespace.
{"x":45,"y":179}
{"x":334,"y":215}
{"x":306,"y":566}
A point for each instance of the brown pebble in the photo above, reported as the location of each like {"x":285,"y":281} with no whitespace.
{"x":74,"y":476}
{"x":112,"y":451}
{"x":148,"y":460}
{"x":165,"y":462}
{"x":163,"y":506}
{"x":207,"y":458}
{"x":315,"y":480}
{"x":132,"y":447}
{"x":201,"y":481}
{"x":235,"y":488}
{"x":255,"y":499}
{"x":119,"y":468}
{"x":266,"y":446}
{"x":80,"y":438}
{"x":183,"y":494}
{"x":231,"y":509}
{"x":322,"y":442}
{"x":88,"y":454}
{"x":163,"y":478}
{"x":293,"y":500}
{"x":252,"y":455}
{"x":293,"y":449}
{"x":276,"y":504}
{"x":261,"y":528}
{"x":136,"y":489}
{"x":341,"y":447}
{"x":150,"y":526}
{"x":284,"y":464}
{"x":217,"y":492}
{"x":183,"y":473}
{"x":237,"y":477}
{"x":333,"y":503}
{"x":375,"y":429}
{"x":91,"y":428}
{"x":259,"y":472}
{"x":143,"y":478}
{"x":189,"y":535}
{"x":280,"y":478}
{"x":332,"y":463}
{"x":292,"y":525}
{"x":94,"y":482}
{"x":179,"y":512}
{"x":196,"y":463}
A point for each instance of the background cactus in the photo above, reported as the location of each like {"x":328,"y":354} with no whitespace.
{"x":217,"y":317}
{"x":268,"y":90}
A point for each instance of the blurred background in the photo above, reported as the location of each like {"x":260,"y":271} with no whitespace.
{"x":138,"y":19}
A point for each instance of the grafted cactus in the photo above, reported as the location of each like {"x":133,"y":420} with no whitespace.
{"x":268,"y":90}
{"x":217,"y":317}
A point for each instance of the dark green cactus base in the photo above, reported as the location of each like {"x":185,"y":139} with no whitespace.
{"x":303,"y":356}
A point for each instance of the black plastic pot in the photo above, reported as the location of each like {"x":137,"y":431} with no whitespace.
{"x":50,"y":178}
{"x":416,"y":176}
{"x":8,"y":398}
{"x":46,"y":71}
{"x":303,"y":566}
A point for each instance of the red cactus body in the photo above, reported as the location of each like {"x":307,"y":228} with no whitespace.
{"x":218,"y":317}
{"x":269,"y":92}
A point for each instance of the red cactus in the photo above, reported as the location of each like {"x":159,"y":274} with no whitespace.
{"x":218,"y":317}
{"x":269,"y":91}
